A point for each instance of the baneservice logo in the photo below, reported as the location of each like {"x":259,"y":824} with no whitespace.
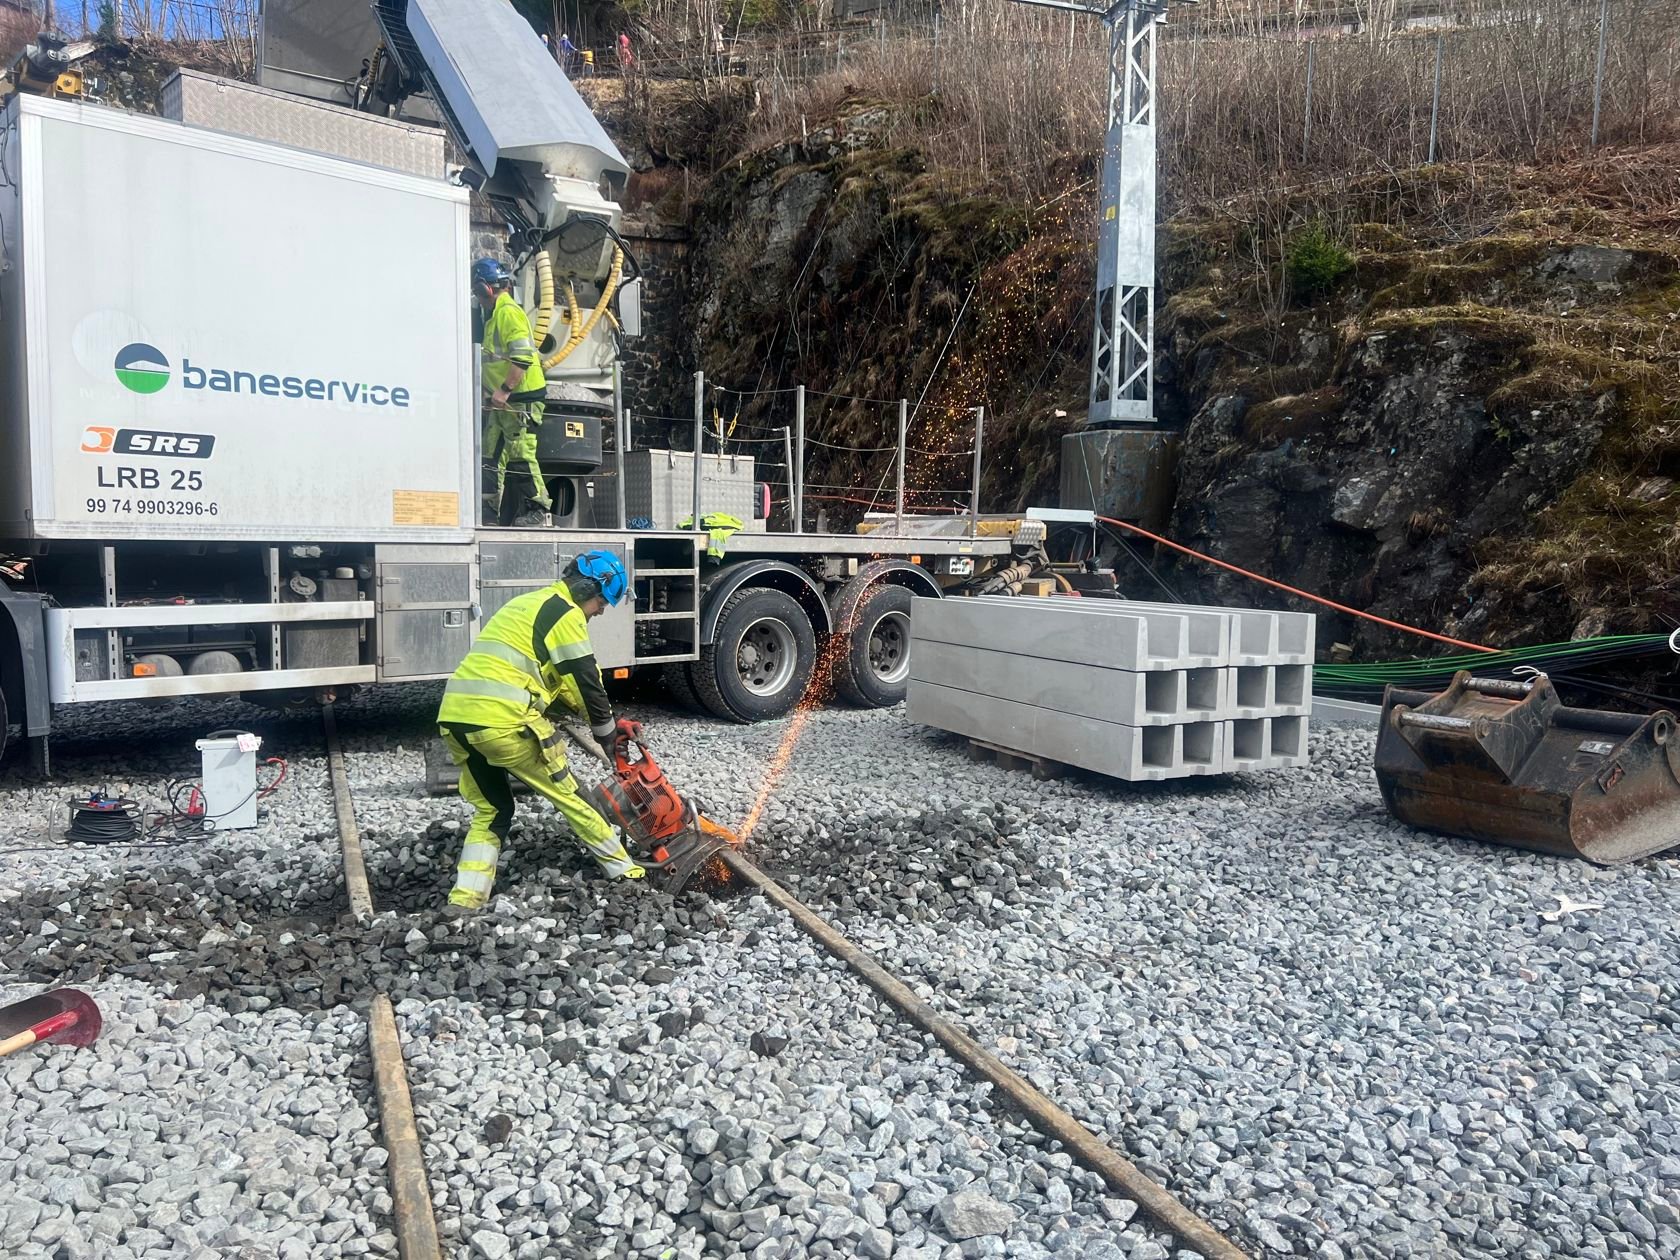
{"x":142,"y":368}
{"x":145,"y":370}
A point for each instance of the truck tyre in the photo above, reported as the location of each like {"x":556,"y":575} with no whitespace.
{"x":760,"y":660}
{"x":674,"y":678}
{"x":874,"y":665}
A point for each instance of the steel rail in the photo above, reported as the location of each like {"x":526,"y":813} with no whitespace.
{"x":349,"y":835}
{"x":411,"y":1197}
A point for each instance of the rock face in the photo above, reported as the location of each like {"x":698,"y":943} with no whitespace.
{"x":1384,"y":502}
{"x":1467,"y":428}
{"x":1467,"y":437}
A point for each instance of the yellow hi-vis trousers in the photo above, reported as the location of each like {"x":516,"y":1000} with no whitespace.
{"x":536,"y":754}
{"x":511,"y":438}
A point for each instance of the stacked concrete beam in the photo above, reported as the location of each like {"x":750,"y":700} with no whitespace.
{"x":1133,"y":690}
{"x":1270,"y":685}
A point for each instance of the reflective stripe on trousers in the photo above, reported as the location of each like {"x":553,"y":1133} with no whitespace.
{"x":485,"y":758}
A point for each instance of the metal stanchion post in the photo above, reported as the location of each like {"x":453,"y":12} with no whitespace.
{"x":1306,"y":126}
{"x":787,"y":457}
{"x":903,"y":428}
{"x":621,"y":427}
{"x":1598,"y":76}
{"x":1435,"y":102}
{"x":699,"y":439}
{"x":974,"y":489}
{"x":799,"y":460}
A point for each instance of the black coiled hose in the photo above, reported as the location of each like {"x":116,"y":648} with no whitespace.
{"x":101,"y":819}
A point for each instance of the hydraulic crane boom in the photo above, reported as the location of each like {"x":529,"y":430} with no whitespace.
{"x":540,"y":155}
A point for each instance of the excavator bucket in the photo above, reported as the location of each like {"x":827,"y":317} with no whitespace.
{"x":1508,"y":762}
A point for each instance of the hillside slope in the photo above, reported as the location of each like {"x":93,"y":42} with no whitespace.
{"x":1470,"y":422}
{"x":1475,"y":427}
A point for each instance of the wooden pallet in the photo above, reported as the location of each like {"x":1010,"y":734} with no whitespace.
{"x":1010,"y":759}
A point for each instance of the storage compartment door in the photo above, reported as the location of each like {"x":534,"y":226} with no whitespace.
{"x":425,"y":619}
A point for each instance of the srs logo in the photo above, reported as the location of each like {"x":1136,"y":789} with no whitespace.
{"x":98,"y":439}
{"x":143,"y":368}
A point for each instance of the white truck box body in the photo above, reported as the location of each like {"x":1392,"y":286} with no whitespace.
{"x":210,"y":337}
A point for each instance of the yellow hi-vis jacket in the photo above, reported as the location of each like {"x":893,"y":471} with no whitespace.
{"x":510,"y":350}
{"x":533,"y":654}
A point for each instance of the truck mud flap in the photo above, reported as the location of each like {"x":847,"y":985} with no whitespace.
{"x":1507,"y":761}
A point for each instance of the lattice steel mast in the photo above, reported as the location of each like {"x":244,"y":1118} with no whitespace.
{"x":1123,"y":346}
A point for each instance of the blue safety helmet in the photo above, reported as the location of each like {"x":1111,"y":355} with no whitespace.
{"x":606,"y":571}
{"x":491,"y":271}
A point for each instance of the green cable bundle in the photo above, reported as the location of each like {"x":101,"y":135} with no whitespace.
{"x":1562,"y":661}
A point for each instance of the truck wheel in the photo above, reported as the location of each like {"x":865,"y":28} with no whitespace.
{"x":874,"y":669}
{"x":761,"y":660}
{"x":674,"y":678}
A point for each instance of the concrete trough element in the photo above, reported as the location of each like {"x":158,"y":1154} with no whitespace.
{"x":1258,"y":691}
{"x":1330,"y":711}
{"x":1134,"y":691}
{"x":1265,"y":743}
{"x":1104,"y":633}
{"x":1136,"y":754}
{"x":1162,"y":697}
{"x":1258,"y":636}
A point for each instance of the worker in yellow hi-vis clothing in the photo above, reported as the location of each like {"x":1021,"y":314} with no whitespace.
{"x":512,"y":375}
{"x":532,"y":656}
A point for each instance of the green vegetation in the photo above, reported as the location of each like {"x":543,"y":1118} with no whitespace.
{"x":1315,"y":261}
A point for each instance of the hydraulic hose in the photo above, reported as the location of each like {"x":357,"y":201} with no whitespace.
{"x":580,"y":334}
{"x":574,"y":313}
{"x":545,"y":294}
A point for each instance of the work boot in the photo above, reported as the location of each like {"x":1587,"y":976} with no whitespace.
{"x":536,"y":518}
{"x":463,"y":905}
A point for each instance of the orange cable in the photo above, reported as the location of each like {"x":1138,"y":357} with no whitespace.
{"x":1317,"y":599}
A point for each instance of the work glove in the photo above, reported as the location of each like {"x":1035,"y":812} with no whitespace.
{"x":625,"y":732}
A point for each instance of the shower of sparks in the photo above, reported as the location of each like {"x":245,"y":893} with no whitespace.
{"x":817,"y":694}
{"x":773,"y":778}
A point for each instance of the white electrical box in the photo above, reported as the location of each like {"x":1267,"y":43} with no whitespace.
{"x":230,"y":779}
{"x":205,"y":336}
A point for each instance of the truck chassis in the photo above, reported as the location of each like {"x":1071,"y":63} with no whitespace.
{"x":743,"y":635}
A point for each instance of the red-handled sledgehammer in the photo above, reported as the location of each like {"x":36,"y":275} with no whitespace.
{"x":66,"y":1016}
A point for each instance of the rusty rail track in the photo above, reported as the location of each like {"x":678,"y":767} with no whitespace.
{"x":417,"y":1230}
{"x":411,"y":1198}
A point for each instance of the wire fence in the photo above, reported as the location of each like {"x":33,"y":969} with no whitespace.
{"x":189,"y":20}
{"x":889,"y":479}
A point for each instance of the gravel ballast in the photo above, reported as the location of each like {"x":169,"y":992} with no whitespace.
{"x":187,"y":1130}
{"x":211,"y":1117}
{"x":1327,"y":1034}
